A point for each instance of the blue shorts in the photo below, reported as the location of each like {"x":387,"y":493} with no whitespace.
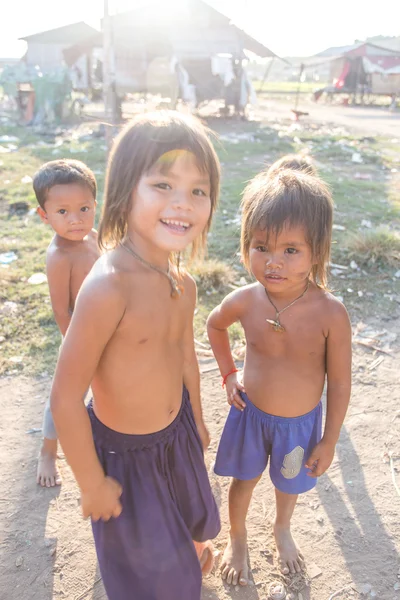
{"x":250,"y":437}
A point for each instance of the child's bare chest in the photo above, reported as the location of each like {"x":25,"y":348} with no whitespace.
{"x":152,"y":319}
{"x":300,"y":336}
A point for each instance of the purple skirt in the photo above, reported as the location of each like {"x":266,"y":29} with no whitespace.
{"x":147,"y":553}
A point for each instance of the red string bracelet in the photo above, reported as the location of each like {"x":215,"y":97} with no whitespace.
{"x":225,"y":377}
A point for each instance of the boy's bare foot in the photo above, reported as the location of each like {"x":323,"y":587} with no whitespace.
{"x":289,"y":556}
{"x":234,"y":567}
{"x":48,"y":474}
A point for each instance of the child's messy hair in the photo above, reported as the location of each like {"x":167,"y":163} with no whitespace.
{"x":62,"y":172}
{"x":290,"y":198}
{"x":138,"y":148}
{"x":296,"y":162}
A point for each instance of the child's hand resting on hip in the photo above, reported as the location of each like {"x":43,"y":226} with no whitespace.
{"x":233,"y":387}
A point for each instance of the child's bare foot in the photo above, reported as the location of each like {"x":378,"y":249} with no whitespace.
{"x":48,"y":474}
{"x":289,"y":556}
{"x":234,"y":567}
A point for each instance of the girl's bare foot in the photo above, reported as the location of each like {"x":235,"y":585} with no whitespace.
{"x":289,"y":556}
{"x":234,"y":567}
{"x":48,"y":474}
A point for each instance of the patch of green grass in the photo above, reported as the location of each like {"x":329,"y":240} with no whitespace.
{"x":286,"y":86}
{"x":28,"y":327}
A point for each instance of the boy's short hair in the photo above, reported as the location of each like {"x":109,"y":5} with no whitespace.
{"x":62,"y":172}
{"x":290,"y":198}
{"x":297,"y":162}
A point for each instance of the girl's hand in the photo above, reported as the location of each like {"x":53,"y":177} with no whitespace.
{"x":233,"y":387}
{"x":103,"y":501}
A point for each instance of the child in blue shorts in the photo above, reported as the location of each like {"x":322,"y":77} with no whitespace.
{"x":297,"y":336}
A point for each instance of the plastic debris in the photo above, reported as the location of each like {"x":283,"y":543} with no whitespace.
{"x":16,"y":359}
{"x":366,"y":223}
{"x":396,"y":586}
{"x":34,"y":430}
{"x":8,"y":139}
{"x":37,"y":279}
{"x":7,"y":257}
{"x":356,"y":158}
{"x":397,"y":274}
{"x":9,"y":307}
{"x":354,"y":265}
{"x":338,"y":227}
{"x":276,"y":591}
{"x":27,"y":179}
{"x":363,"y":176}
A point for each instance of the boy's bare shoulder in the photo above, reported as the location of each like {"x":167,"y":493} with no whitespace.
{"x":57,"y":255}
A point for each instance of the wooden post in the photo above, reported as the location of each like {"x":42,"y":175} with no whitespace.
{"x":109,"y":88}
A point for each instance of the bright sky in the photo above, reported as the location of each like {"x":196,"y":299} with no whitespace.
{"x":288,"y":27}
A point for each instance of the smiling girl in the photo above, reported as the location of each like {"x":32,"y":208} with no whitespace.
{"x":137,"y":451}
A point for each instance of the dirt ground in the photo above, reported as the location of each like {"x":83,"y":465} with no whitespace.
{"x":348,"y":527}
{"x":367,"y":120}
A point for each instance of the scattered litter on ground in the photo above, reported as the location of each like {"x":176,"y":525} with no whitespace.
{"x":7,"y":257}
{"x":335,"y":594}
{"x":313,"y":571}
{"x":9,"y":307}
{"x":369,"y":337}
{"x":356,"y":158}
{"x":16,"y":359}
{"x":375,"y":363}
{"x":8,"y":139}
{"x":397,"y":274}
{"x":363,"y":176}
{"x":37,"y":279}
{"x":19,"y":208}
{"x":354,"y":265}
{"x":366,"y":223}
{"x":19,"y":561}
{"x":26,"y":179}
{"x":338,"y":227}
{"x":276,"y":591}
{"x":34,"y":430}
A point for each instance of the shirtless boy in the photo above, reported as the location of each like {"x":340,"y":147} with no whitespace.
{"x":66,"y":193}
{"x":297,"y":336}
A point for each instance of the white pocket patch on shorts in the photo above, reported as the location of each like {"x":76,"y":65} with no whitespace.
{"x":292,"y":463}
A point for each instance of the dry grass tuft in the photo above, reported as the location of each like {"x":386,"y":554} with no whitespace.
{"x":376,"y":247}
